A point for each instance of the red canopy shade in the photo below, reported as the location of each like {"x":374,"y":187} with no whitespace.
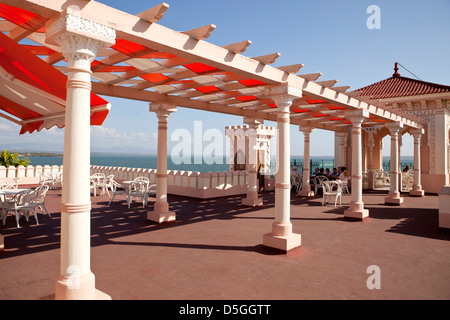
{"x":34,"y":91}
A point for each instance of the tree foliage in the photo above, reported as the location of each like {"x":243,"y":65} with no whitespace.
{"x":12,"y":159}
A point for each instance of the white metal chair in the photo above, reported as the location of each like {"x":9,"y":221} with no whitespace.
{"x":143,"y":179}
{"x":40,"y":199}
{"x":138,"y":189}
{"x":93,"y":186}
{"x":45,"y":179}
{"x":295,"y":182}
{"x":106,"y":184}
{"x":57,"y":180}
{"x":318,"y":183}
{"x":4,"y":185}
{"x":151,"y":187}
{"x":117,"y":189}
{"x":24,"y":201}
{"x":331,"y":189}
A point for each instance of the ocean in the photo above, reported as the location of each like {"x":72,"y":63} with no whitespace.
{"x":149,"y":162}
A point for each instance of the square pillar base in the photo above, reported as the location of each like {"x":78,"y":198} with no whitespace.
{"x":356,"y":214}
{"x":161,"y":217}
{"x":394,"y":201}
{"x":283,"y":243}
{"x":356,"y":211}
{"x":78,"y":288}
{"x":305,"y":193}
{"x":252,"y":202}
{"x":417,"y":191}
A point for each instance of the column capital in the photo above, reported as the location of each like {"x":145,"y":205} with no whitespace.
{"x":79,"y":38}
{"x":306,"y":130}
{"x":253,"y":123}
{"x":356,"y":116}
{"x":162,"y":109}
{"x":394,"y":127}
{"x":283,"y":95}
{"x":417,"y":133}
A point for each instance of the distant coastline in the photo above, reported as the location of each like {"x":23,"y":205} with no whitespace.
{"x":40,"y":154}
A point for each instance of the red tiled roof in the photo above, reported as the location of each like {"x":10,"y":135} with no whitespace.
{"x":398,"y":86}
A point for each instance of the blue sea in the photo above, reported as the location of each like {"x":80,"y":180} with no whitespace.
{"x":149,"y":162}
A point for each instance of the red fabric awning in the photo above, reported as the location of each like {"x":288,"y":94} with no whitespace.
{"x":33,"y":91}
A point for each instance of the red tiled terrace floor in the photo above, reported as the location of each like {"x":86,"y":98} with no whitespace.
{"x":213,"y":251}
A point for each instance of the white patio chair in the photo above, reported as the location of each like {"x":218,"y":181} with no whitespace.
{"x":378,"y":176}
{"x":117,"y":189}
{"x":143,"y":179}
{"x":151,"y":190}
{"x":318,"y":183}
{"x":331,"y":189}
{"x":40,"y":199}
{"x":138,"y":189}
{"x":57,"y":180}
{"x":295,"y":182}
{"x":344,"y":185}
{"x":106,"y":184}
{"x":24,"y":201}
{"x":93,"y":186}
{"x":45,"y":179}
{"x":4,"y":185}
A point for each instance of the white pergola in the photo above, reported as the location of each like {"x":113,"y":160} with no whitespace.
{"x":117,"y":54}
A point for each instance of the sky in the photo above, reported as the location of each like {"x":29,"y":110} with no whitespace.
{"x":327,"y":36}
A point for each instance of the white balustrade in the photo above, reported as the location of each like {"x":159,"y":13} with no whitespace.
{"x":180,"y":182}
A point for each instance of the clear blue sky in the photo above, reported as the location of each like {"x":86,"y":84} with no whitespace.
{"x":327,"y":36}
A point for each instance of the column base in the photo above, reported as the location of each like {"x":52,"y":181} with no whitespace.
{"x":281,"y":237}
{"x":78,"y":288}
{"x":283,"y":243}
{"x":161,"y":213}
{"x":393,"y":199}
{"x":356,"y":211}
{"x":161,"y":217}
{"x":252,"y":202}
{"x":417,"y":191}
{"x":305,"y":193}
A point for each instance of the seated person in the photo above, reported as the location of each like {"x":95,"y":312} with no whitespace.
{"x":316,"y":172}
{"x":341,"y":173}
{"x":321,"y":173}
{"x":334,"y":174}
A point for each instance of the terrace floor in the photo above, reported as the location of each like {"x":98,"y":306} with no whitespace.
{"x":214,"y":251}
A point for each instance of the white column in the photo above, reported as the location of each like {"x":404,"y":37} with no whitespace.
{"x":356,"y":209}
{"x":253,"y":183}
{"x":342,"y":141}
{"x":371,"y":144}
{"x":161,"y":211}
{"x":306,"y":187}
{"x":394,"y":193}
{"x":281,"y":236}
{"x":417,"y":186}
{"x":80,"y":39}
